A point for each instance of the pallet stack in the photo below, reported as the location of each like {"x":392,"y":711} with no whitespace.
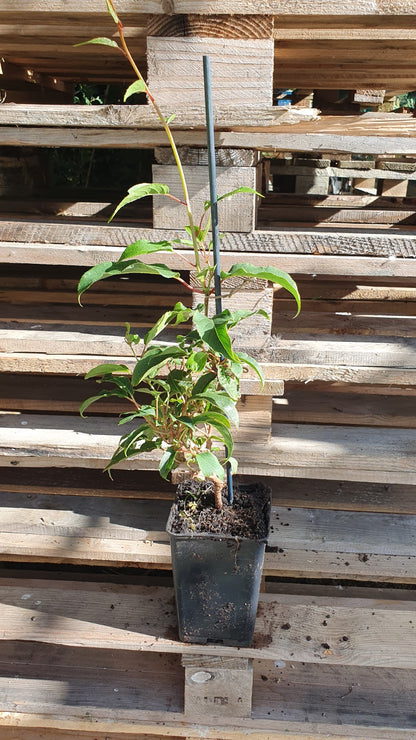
{"x":88,"y":645}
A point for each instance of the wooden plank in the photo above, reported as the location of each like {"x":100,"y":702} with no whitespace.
{"x":283,"y":7}
{"x":352,"y":171}
{"x":382,"y":634}
{"x":308,"y":371}
{"x":360,"y":695}
{"x":317,"y":258}
{"x":336,"y":495}
{"x":49,"y":240}
{"x":143,"y":116}
{"x":212,"y":26}
{"x":308,"y":31}
{"x":165,"y":724}
{"x":349,"y":134}
{"x":330,"y":452}
{"x":174,"y":66}
{"x":302,"y":405}
{"x":324,"y":215}
{"x":362,"y":291}
{"x":73,"y":482}
{"x":347,"y":351}
{"x":305,"y":543}
{"x":378,"y":307}
{"x":350,"y":532}
{"x":337,"y":324}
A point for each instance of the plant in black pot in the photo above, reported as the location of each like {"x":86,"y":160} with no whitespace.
{"x":183,"y":396}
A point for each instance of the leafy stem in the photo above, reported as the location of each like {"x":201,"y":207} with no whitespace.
{"x":165,"y":125}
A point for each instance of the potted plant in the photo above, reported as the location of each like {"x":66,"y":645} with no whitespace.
{"x":183,"y":397}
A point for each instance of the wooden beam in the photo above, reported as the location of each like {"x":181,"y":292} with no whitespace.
{"x":212,"y":26}
{"x":175,"y":74}
{"x":216,"y":685}
{"x":143,"y":116}
{"x":316,"y":261}
{"x":380,"y":455}
{"x":274,"y":7}
{"x":382,"y":634}
{"x":396,"y":136}
{"x":23,"y":239}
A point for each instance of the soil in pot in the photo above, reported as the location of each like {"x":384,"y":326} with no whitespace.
{"x":217,"y":560}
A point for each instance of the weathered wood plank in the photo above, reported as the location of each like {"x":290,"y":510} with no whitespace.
{"x":323,"y":323}
{"x":175,"y":70}
{"x":303,"y":405}
{"x":383,"y":134}
{"x":329,"y":452}
{"x":360,"y":695}
{"x":143,"y":116}
{"x":378,"y":634}
{"x":279,"y":7}
{"x":353,"y":172}
{"x":307,"y":543}
{"x":311,"y":215}
{"x":344,"y":350}
{"x":49,"y":240}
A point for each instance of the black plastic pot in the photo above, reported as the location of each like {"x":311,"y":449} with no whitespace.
{"x":217,"y":583}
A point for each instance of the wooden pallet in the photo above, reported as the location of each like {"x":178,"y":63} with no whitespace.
{"x":88,"y":646}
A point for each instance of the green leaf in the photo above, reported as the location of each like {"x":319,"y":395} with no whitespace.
{"x":244,"y":269}
{"x":100,"y":40}
{"x":167,"y":462}
{"x":105,"y":393}
{"x":253,"y":364}
{"x":153,"y":358}
{"x":115,"y":269}
{"x":131,"y":338}
{"x":112,"y":12}
{"x":209,"y":465}
{"x":178,"y":315}
{"x":141,"y":191}
{"x":214,"y":335}
{"x":233,"y":464}
{"x":242,"y":189}
{"x":126,"y":418}
{"x":136,"y":87}
{"x":224,"y":403}
{"x":218,"y":421}
{"x":170,"y":118}
{"x":106,"y":369}
{"x":128,"y":447}
{"x":202,"y":383}
{"x":143,"y":246}
{"x":242,"y":314}
{"x":229,"y":382}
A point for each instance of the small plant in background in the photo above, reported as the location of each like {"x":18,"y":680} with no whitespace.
{"x":191,"y":385}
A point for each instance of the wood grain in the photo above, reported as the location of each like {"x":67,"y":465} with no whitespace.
{"x":45,"y":241}
{"x":84,"y":617}
{"x":143,"y":116}
{"x":330,"y":452}
{"x":284,"y":7}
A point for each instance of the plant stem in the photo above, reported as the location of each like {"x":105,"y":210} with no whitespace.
{"x":169,"y":135}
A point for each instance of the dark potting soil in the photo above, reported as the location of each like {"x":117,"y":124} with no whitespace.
{"x":248,"y":516}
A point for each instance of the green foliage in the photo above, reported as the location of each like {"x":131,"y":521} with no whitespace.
{"x":192,"y":385}
{"x":135,"y":87}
